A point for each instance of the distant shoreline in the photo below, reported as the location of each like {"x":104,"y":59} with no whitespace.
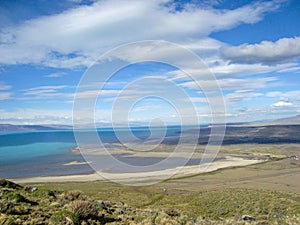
{"x":57,"y":160}
{"x":144,"y":176}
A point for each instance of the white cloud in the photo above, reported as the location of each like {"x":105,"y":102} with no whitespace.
{"x":266,"y":52}
{"x":44,"y":91}
{"x":4,"y":87}
{"x":5,"y":96}
{"x":242,"y":95}
{"x":51,"y":92}
{"x":295,"y":69}
{"x":232,"y":83}
{"x":55,"y":75}
{"x":91,"y":94}
{"x":198,"y":99}
{"x":46,"y":88}
{"x":292,"y":95}
{"x":225,"y":68}
{"x":36,"y":116}
{"x":281,"y":104}
{"x":77,"y":36}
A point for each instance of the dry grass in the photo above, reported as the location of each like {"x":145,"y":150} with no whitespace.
{"x":83,"y":209}
{"x":71,"y":196}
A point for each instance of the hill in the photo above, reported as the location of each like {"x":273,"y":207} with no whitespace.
{"x":37,"y":205}
{"x":16,"y":128}
{"x":287,"y":121}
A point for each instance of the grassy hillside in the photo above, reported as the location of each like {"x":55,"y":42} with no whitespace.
{"x":114,"y":204}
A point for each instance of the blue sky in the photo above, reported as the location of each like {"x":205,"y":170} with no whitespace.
{"x":252,"y":47}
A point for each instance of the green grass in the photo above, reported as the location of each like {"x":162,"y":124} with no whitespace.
{"x":16,"y":197}
{"x":213,"y":204}
{"x":229,"y":203}
{"x":43,"y":192}
{"x":155,"y":205}
{"x":62,"y":217}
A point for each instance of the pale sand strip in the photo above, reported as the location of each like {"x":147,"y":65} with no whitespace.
{"x":143,"y":176}
{"x":75,"y":163}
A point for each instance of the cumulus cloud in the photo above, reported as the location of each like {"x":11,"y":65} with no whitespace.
{"x":77,"y":36}
{"x":282,"y":103}
{"x":266,"y":52}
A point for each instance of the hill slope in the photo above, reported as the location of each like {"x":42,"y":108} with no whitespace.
{"x":287,"y":121}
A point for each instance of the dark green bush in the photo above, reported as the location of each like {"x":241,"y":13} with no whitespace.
{"x":8,"y":184}
{"x":16,"y":197}
{"x":64,"y":217}
{"x":43,"y":192}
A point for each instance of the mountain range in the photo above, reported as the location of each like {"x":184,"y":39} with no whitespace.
{"x":295,"y":120}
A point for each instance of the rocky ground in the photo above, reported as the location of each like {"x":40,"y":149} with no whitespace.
{"x":37,"y":205}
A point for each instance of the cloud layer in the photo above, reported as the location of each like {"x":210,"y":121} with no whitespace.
{"x":266,"y":52}
{"x":76,"y":36}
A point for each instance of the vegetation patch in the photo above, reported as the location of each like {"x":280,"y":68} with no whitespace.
{"x":14,"y":197}
{"x":84,"y":209}
{"x":109,"y":203}
{"x":43,"y":192}
{"x":64,"y":217}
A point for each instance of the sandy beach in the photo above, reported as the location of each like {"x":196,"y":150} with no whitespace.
{"x":144,"y":177}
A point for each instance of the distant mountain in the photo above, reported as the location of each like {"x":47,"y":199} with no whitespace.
{"x":295,"y":120}
{"x":251,"y":134}
{"x":15,"y":128}
{"x":287,"y":121}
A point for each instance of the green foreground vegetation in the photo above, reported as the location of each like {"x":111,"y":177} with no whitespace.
{"x":108,"y":203}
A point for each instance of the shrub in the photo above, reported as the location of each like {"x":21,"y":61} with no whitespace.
{"x":43,"y":192}
{"x":6,"y":207}
{"x":74,"y":195}
{"x":7,"y":220}
{"x":64,"y":217}
{"x":84,"y":209}
{"x":8,"y":184}
{"x":16,"y":197}
{"x":172,"y":212}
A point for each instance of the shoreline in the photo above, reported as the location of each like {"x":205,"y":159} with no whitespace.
{"x":143,"y":177}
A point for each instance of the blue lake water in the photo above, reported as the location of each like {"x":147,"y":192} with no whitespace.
{"x":40,"y":153}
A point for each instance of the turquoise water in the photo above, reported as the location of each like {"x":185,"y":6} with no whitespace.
{"x":40,"y":153}
{"x":19,"y":153}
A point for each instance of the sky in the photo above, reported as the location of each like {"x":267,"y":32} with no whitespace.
{"x":252,"y":48}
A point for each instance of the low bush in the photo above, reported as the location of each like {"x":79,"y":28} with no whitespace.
{"x":84,"y":209}
{"x":15,"y":197}
{"x":43,"y":192}
{"x":73,"y":195}
{"x":64,"y":217}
